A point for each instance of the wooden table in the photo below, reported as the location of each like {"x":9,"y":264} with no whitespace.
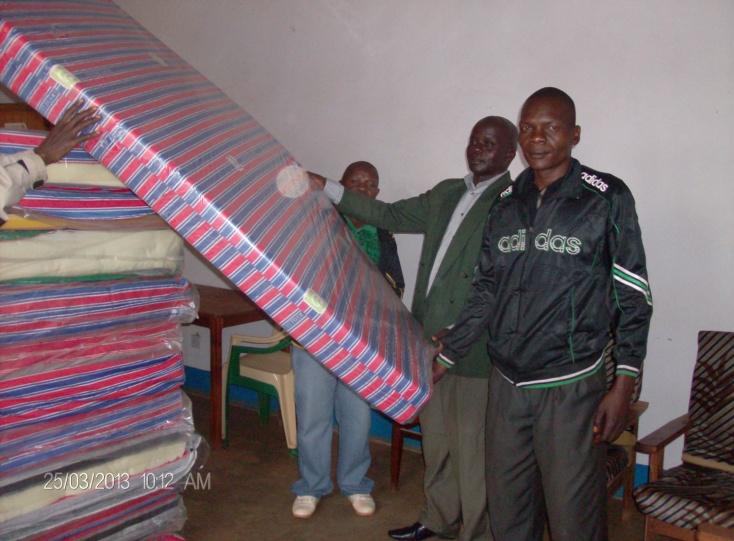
{"x":220,"y":308}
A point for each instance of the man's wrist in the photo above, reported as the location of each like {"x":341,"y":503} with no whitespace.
{"x":444,"y":361}
{"x":624,"y":384}
{"x":334,"y":191}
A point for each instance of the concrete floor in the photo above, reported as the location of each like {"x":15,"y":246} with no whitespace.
{"x":249,"y":496}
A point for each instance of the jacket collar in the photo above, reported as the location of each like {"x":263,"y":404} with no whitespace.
{"x":570,"y":186}
{"x":477,"y":189}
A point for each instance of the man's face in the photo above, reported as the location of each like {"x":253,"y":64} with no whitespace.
{"x":361,"y":180}
{"x":488,"y":153}
{"x":547,"y":136}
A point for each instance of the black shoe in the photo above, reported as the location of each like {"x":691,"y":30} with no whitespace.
{"x":416,"y":532}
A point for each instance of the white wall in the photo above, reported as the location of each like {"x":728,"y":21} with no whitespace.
{"x":401,"y":83}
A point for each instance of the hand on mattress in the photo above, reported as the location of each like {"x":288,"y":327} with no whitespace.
{"x":319,"y":180}
{"x":438,"y":369}
{"x":68,"y":132}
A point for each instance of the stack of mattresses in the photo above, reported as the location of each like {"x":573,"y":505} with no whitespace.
{"x":225,"y":184}
{"x":96,"y":437}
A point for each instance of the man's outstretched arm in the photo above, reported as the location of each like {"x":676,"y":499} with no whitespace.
{"x":405,"y":216}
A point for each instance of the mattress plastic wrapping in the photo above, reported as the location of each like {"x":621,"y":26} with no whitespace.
{"x":45,"y":311}
{"x":50,"y":445}
{"x":56,"y":498}
{"x":86,"y":365}
{"x":225,"y":185}
{"x":82,"y":253}
{"x":76,"y":168}
{"x":84,"y":203}
{"x":80,"y":194}
{"x":155,"y":339}
{"x":148,"y":517}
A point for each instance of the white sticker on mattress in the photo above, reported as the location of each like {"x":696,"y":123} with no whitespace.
{"x":63,"y":76}
{"x":157,"y":59}
{"x":315,"y":301}
{"x":234,"y":163}
{"x":292,"y":181}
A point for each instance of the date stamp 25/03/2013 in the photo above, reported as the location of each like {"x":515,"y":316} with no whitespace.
{"x":76,"y":481}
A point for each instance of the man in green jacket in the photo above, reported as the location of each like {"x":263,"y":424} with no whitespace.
{"x":451,"y":217}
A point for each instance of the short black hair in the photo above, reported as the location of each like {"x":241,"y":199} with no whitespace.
{"x":364,"y":166}
{"x":556,"y":94}
{"x":510,"y":130}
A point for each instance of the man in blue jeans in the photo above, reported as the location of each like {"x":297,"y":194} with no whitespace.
{"x":320,"y":396}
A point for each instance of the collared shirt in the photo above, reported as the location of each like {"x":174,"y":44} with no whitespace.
{"x":335,"y":192}
{"x":471,"y":195}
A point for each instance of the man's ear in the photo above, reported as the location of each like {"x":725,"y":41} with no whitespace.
{"x":576,"y":135}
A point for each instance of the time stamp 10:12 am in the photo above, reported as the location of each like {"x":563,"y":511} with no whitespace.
{"x":149,"y":481}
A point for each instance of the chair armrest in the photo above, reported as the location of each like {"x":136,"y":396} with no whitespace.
{"x":712,"y":532}
{"x":654,"y":444}
{"x":657,"y":440}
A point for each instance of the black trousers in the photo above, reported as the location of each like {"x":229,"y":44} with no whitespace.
{"x":541,"y":459}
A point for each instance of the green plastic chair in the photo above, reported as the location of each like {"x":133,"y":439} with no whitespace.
{"x":263,"y":364}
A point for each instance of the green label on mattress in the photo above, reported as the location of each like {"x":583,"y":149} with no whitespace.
{"x":315,"y":301}
{"x":63,"y":76}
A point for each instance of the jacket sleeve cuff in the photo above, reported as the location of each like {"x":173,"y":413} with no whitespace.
{"x":443,"y":360}
{"x":334,"y":191}
{"x":627,"y":370}
{"x":36,"y":168}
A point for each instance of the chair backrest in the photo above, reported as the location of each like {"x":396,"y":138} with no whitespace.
{"x":710,"y":437}
{"x":610,"y":367}
{"x":261,"y":344}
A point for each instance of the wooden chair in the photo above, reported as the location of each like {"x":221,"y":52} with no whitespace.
{"x":399,"y":432}
{"x":701,"y":490}
{"x":620,"y":466}
{"x":712,"y":532}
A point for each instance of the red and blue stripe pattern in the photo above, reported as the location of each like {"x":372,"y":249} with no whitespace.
{"x":174,"y":453}
{"x":41,"y":356}
{"x":58,"y":310}
{"x":154,"y":513}
{"x":12,"y":141}
{"x":68,"y":439}
{"x":211,"y":171}
{"x":80,"y":389}
{"x":67,"y":200}
{"x":83,"y":203}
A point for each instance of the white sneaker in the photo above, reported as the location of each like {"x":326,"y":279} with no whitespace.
{"x":304,"y":506}
{"x":363,"y":504}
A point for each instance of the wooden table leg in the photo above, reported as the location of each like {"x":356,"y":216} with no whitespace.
{"x":215,"y":349}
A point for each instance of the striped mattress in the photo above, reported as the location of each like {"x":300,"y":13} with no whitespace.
{"x":225,"y":184}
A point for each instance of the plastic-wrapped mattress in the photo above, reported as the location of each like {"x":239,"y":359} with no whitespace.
{"x":225,"y":184}
{"x":69,"y":253}
{"x":45,"y":311}
{"x":127,"y":473}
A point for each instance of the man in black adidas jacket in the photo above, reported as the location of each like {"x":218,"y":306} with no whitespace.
{"x":562,"y":263}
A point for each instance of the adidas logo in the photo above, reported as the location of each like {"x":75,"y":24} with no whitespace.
{"x":545,"y":242}
{"x":595,"y":181}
